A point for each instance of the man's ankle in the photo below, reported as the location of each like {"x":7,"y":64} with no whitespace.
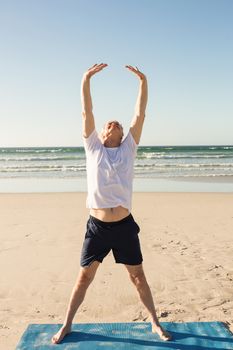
{"x":155,"y":322}
{"x":67,"y":324}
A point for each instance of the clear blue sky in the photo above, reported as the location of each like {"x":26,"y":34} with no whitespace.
{"x":185,"y":47}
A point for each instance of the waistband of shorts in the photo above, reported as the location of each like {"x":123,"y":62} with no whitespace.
{"x":112,"y":223}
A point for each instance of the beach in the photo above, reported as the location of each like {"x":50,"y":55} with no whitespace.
{"x":186,"y":240}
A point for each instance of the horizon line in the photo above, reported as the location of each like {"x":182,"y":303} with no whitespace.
{"x":188,"y":145}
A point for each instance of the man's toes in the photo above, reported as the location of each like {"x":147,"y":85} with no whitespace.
{"x":54,"y":340}
{"x":57,"y":338}
{"x":166,"y":335}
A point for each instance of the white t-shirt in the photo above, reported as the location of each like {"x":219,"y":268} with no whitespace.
{"x":109,"y":172}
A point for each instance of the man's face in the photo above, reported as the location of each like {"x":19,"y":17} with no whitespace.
{"x":113,"y":129}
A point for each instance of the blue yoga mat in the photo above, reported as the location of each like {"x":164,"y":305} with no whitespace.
{"x":131,"y":336}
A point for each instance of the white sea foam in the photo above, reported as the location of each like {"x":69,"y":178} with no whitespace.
{"x":151,"y":162}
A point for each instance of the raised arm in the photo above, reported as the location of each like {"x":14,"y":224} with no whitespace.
{"x":87,"y":113}
{"x":140,"y":108}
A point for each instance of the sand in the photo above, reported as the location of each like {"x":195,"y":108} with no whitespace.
{"x":186,"y":240}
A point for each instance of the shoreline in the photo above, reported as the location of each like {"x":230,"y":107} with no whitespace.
{"x":222,"y":179}
{"x":155,"y":185}
{"x":188,"y":234}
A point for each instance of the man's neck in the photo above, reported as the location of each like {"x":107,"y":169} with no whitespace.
{"x":111,"y":143}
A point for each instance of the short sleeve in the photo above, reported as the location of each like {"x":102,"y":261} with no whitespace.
{"x":130,"y":143}
{"x":92,"y":141}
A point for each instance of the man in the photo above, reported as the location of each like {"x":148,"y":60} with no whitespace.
{"x":111,"y":226}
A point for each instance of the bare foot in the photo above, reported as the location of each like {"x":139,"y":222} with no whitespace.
{"x":164,"y":335}
{"x":63,"y":331}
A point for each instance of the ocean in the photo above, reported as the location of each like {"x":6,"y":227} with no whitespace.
{"x":153,"y":164}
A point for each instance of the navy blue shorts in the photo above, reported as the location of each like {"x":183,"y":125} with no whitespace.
{"x":119,"y":236}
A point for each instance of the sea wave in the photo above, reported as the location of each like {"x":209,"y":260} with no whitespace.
{"x":182,"y":165}
{"x":151,"y":162}
{"x":43,"y":159}
{"x":39,"y":168}
{"x":182,"y":156}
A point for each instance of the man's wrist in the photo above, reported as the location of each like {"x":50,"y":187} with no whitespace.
{"x":86,"y":77}
{"x":142,"y":79}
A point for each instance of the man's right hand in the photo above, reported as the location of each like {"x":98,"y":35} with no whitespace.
{"x":94,"y":69}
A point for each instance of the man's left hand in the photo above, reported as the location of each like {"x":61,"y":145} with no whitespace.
{"x":136,"y":71}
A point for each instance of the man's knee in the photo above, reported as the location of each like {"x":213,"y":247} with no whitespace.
{"x":87,"y":275}
{"x":85,"y":279}
{"x":138,"y":278}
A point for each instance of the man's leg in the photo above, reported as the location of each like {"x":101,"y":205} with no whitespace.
{"x":85,"y":277}
{"x":138,"y":278}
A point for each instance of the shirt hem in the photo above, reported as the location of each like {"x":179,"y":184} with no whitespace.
{"x":110,"y":207}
